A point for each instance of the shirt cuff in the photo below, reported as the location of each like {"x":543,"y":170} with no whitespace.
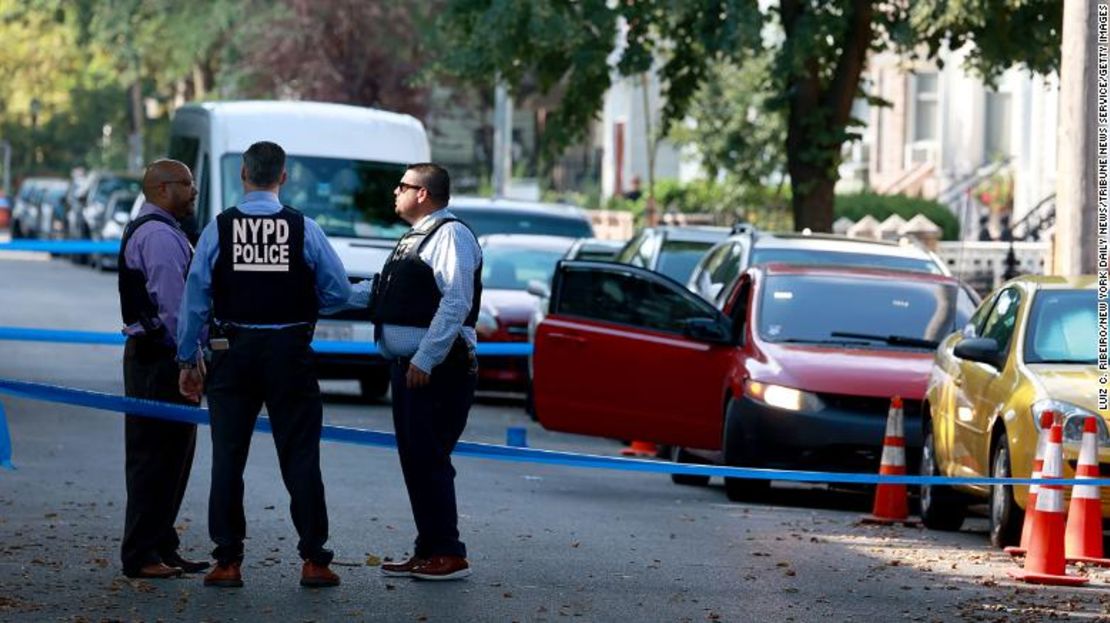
{"x":422,"y":361}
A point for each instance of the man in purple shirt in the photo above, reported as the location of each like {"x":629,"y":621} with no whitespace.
{"x":153,"y":262}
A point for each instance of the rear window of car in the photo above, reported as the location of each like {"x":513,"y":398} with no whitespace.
{"x":678,"y":258}
{"x":1063,"y":327}
{"x":508,"y":221}
{"x":839,"y":258}
{"x":109,"y":185}
{"x":819,"y":309}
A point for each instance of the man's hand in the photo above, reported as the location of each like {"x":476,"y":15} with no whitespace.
{"x":416,"y":378}
{"x":191,"y":384}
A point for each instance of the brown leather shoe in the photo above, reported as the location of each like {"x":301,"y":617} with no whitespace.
{"x":155,"y":571}
{"x":442,"y":568}
{"x":401,"y":569}
{"x":318,"y":576}
{"x":225,"y":576}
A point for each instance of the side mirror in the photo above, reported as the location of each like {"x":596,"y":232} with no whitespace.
{"x":705,"y":330}
{"x":980,"y":349}
{"x":539,"y":288}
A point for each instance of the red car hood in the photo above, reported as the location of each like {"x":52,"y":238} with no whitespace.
{"x":856,"y":372}
{"x":510,"y":306}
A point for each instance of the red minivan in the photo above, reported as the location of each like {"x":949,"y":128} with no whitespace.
{"x":796,"y":371}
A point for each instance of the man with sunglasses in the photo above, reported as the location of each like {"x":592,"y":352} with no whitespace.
{"x":154,"y":257}
{"x":424,"y":307}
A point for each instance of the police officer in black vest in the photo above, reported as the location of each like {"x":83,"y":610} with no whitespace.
{"x":424,"y":307}
{"x":154,"y":257}
{"x":262,"y":274}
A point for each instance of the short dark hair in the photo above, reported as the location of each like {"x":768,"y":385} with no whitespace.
{"x":434,"y":179}
{"x":264,"y":162}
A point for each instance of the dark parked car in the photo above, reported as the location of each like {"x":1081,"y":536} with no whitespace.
{"x":671,"y":250}
{"x":506,"y":216}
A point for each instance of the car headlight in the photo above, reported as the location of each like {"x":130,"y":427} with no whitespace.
{"x":782,"y":397}
{"x":486,"y":325}
{"x":1073,"y":417}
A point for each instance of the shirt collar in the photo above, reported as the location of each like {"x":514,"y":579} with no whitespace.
{"x":438,"y":214}
{"x":150,"y":208}
{"x":261,"y":195}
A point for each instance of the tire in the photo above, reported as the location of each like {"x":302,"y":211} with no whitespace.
{"x":942,"y":507}
{"x":17,"y":230}
{"x":678,"y":455}
{"x":1005,"y":515}
{"x":374,"y":385}
{"x":739,"y":489}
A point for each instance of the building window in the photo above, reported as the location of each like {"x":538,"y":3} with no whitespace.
{"x":997,"y":123}
{"x":925,"y":107}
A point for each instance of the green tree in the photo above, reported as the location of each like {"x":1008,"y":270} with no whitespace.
{"x":819,"y":48}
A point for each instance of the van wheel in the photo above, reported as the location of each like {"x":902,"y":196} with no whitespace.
{"x":1005,"y":515}
{"x":374,"y":385}
{"x":739,"y":489}
{"x":942,"y":508}
{"x":678,"y":455}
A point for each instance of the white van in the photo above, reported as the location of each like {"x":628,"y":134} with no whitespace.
{"x":343,"y":163}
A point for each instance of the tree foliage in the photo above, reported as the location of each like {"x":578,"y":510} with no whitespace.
{"x":818,"y":47}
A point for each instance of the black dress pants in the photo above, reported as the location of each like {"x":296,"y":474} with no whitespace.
{"x":428,"y":422}
{"x":159,"y":456}
{"x":274,"y":367}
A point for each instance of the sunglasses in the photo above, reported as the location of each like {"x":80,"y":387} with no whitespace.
{"x":402,"y":186}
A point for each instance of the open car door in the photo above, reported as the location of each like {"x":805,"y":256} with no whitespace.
{"x":631,"y":354}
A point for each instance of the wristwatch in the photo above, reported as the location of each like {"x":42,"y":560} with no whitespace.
{"x":187,"y":365}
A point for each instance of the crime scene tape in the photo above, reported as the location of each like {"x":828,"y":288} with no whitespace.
{"x":331,"y":347}
{"x":62,"y":247}
{"x":363,"y":437}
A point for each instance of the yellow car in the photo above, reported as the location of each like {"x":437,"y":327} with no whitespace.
{"x":1031,"y":346}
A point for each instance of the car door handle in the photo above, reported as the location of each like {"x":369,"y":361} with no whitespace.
{"x":569,"y":338}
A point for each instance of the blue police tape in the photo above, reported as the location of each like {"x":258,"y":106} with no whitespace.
{"x":5,"y":441}
{"x":362,"y":437}
{"x":62,"y":247}
{"x":320,"y":346}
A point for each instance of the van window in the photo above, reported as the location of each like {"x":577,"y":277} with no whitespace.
{"x":347,"y":198}
{"x":184,"y":149}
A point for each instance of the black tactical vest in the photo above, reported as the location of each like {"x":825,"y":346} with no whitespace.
{"x":406,"y":292}
{"x":261,"y":276}
{"x":136,"y":305}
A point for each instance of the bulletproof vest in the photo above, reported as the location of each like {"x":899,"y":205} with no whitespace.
{"x":406,"y":292}
{"x":261,"y":276}
{"x":136,"y":305}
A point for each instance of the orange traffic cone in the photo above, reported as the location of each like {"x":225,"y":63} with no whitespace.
{"x":1083,"y":537}
{"x":890,"y":500}
{"x":1044,"y":563}
{"x":1047,"y":418}
{"x":644,"y":449}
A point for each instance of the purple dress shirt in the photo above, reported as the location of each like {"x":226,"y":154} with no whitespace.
{"x":162,"y":253}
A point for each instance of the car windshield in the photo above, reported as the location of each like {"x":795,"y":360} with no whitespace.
{"x":849,"y":310}
{"x":346,"y":198}
{"x":838,"y":258}
{"x":109,"y":185}
{"x":508,"y":221}
{"x":1063,"y":325}
{"x":678,"y":258}
{"x":511,"y":268}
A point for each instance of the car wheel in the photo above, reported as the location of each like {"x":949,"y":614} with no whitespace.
{"x":739,"y":489}
{"x":17,"y":229}
{"x":678,"y":455}
{"x":942,"y":508}
{"x":1005,"y":515}
{"x":374,"y":385}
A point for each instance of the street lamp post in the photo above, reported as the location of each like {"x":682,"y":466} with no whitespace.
{"x":36,"y":108}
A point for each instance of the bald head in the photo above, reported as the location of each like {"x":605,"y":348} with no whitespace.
{"x":169,"y":185}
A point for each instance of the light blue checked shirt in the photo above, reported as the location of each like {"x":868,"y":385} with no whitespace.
{"x":454,"y":255}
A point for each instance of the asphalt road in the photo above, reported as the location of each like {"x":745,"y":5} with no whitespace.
{"x":547,"y":543}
